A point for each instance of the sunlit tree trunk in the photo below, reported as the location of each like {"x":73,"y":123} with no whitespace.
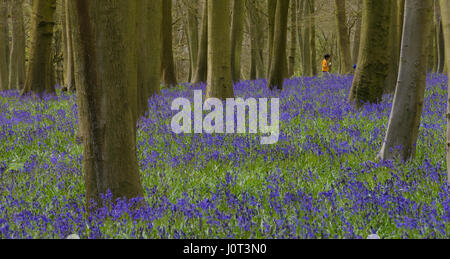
{"x":373,"y":61}
{"x":40,"y":75}
{"x":220,"y":84}
{"x":404,"y":122}
{"x":278,"y":67}
{"x":106,"y":70}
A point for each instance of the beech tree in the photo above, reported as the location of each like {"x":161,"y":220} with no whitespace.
{"x":149,"y":55}
{"x":106,"y":78}
{"x":200,"y":72}
{"x":293,"y":33}
{"x":445,"y":12}
{"x":404,"y":122}
{"x":168,"y":76}
{"x":237,"y":36}
{"x":373,"y":60}
{"x":40,"y":75}
{"x":4,"y":45}
{"x":343,"y":37}
{"x":220,"y":84}
{"x":69,"y":77}
{"x":278,"y":59}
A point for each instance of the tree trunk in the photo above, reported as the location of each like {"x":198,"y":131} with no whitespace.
{"x":445,"y":13}
{"x":168,"y":76}
{"x":107,"y":85}
{"x":237,"y":37}
{"x":200,"y":72}
{"x":312,"y":11}
{"x":276,"y":77}
{"x":69,"y":77}
{"x":271,"y":10}
{"x":220,"y":84}
{"x":440,"y":45}
{"x":4,"y":45}
{"x":155,"y":16}
{"x":300,"y":24}
{"x":404,"y":123}
{"x":40,"y":76}
{"x":307,"y":68}
{"x":373,"y":62}
{"x":293,"y":48}
{"x":343,"y":38}
{"x":192,"y":33}
{"x":394,"y":47}
{"x":357,"y":36}
{"x":17,"y":56}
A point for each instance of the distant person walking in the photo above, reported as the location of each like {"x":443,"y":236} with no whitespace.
{"x":326,"y":65}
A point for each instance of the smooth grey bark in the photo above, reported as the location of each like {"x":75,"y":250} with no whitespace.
{"x":404,"y":122}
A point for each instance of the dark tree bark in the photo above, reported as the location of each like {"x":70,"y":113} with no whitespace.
{"x":40,"y":75}
{"x":168,"y":75}
{"x":278,"y":67}
{"x":373,"y":62}
{"x":237,"y":37}
{"x":200,"y":72}
{"x":4,"y":45}
{"x":220,"y":84}
{"x":107,"y":85}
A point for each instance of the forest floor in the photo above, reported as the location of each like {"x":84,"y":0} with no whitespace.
{"x":320,"y":181}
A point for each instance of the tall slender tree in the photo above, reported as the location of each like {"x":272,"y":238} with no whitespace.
{"x":17,"y":55}
{"x":395,"y":39}
{"x":40,"y":75}
{"x":107,"y":87}
{"x":69,"y":77}
{"x":404,"y":123}
{"x":440,"y":41}
{"x":312,"y":42}
{"x":220,"y":84}
{"x":445,"y":12}
{"x":149,"y":55}
{"x":168,"y":75}
{"x":4,"y":45}
{"x":237,"y":37}
{"x":343,"y":37}
{"x":293,"y":42}
{"x":192,"y":33}
{"x":271,"y":10}
{"x":357,"y":35}
{"x":257,"y":69}
{"x":278,"y":67}
{"x":373,"y":61}
{"x":200,"y":71}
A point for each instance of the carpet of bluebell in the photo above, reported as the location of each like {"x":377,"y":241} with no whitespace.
{"x":321,"y":180}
